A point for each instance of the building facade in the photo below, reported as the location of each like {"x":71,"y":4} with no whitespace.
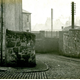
{"x":12,"y":19}
{"x":12,"y":14}
{"x":26,"y":21}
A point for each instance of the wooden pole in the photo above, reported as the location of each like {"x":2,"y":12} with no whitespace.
{"x":72,"y":15}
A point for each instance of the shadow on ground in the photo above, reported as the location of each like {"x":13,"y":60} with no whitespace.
{"x":40,"y":66}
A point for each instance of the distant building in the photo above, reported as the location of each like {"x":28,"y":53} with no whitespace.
{"x":26,"y":21}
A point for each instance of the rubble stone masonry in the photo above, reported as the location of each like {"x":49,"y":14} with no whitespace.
{"x":20,"y":48}
{"x":71,"y":43}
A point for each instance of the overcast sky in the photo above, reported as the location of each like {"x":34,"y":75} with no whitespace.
{"x":41,"y":9}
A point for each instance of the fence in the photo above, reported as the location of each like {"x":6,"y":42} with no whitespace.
{"x":52,"y":34}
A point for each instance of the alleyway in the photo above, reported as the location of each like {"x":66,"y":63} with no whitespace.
{"x":59,"y":67}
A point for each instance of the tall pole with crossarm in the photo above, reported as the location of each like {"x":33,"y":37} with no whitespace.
{"x":73,"y":13}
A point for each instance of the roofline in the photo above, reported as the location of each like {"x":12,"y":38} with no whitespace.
{"x":26,"y":13}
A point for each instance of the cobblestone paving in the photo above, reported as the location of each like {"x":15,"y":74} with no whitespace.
{"x":60,"y":67}
{"x":31,"y":75}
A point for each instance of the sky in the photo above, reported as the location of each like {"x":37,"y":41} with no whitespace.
{"x":41,"y":9}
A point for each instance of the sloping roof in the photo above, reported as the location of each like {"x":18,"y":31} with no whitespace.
{"x":24,"y":11}
{"x":69,"y":27}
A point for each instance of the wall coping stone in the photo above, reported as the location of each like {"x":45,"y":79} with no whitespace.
{"x":74,"y":29}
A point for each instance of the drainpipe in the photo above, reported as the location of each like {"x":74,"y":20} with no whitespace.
{"x":1,"y":31}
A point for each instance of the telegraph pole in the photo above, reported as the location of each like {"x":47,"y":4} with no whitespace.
{"x":1,"y":31}
{"x":51,"y":22}
{"x":73,"y":13}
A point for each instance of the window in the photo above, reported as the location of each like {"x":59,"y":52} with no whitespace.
{"x":27,"y":18}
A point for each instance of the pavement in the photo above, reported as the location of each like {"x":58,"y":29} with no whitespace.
{"x":40,"y":67}
{"x":56,"y":67}
{"x":37,"y":72}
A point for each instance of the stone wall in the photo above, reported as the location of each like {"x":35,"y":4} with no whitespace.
{"x":20,"y":48}
{"x":46,"y":45}
{"x":71,"y":43}
{"x":61,"y":41}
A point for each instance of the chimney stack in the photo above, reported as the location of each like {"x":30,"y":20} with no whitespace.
{"x":51,"y":21}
